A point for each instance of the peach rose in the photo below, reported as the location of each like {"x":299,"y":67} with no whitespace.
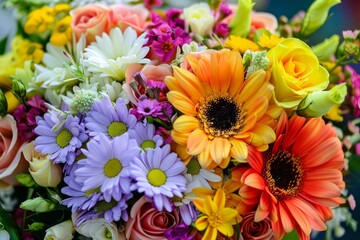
{"x":249,"y":229}
{"x":151,"y":72}
{"x":92,"y":20}
{"x":147,"y":223}
{"x":12,"y":161}
{"x":125,"y":16}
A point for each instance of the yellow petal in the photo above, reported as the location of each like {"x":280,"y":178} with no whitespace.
{"x":186,"y":124}
{"x":219,"y":149}
{"x":226,"y":229}
{"x":239,"y":149}
{"x":201,"y":223}
{"x":210,"y":234}
{"x":220,"y":198}
{"x":181,"y":102}
{"x":180,"y":138}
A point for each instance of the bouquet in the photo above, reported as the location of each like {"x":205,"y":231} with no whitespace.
{"x":142,"y":120}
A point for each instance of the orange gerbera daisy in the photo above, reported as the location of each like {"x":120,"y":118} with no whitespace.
{"x":299,"y":178}
{"x":222,"y":112}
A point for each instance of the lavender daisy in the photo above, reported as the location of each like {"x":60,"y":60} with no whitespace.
{"x":145,"y":136}
{"x":59,"y":137}
{"x":158,"y":174}
{"x":78,"y":199}
{"x":107,"y":166}
{"x":106,"y":119}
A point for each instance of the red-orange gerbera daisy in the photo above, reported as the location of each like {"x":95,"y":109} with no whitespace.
{"x":223,"y":112}
{"x":299,"y":177}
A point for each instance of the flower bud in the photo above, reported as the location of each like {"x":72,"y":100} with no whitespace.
{"x":18,"y":88}
{"x":198,"y":17}
{"x":317,"y":104}
{"x":26,"y":180}
{"x":4,"y":235}
{"x":36,"y":226}
{"x":42,"y":169}
{"x":61,"y":231}
{"x":316,"y":16}
{"x":12,"y":101}
{"x":326,"y":48}
{"x":241,"y":23}
{"x":37,"y":204}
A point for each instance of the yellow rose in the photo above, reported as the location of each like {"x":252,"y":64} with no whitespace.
{"x":295,"y":72}
{"x":42,"y":169}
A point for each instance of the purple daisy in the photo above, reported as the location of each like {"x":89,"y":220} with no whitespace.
{"x":145,"y":136}
{"x":107,"y":166}
{"x":106,"y":119}
{"x":78,"y":199}
{"x":59,"y":137}
{"x":159,"y":175}
{"x":149,"y":107}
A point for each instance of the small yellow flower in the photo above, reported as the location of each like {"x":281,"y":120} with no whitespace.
{"x":216,"y":217}
{"x":241,"y":44}
{"x":26,"y":50}
{"x":12,"y":101}
{"x":39,"y":20}
{"x":269,"y":42}
{"x":335,"y":113}
{"x":230,"y":188}
{"x":62,"y":32}
{"x":61,"y":8}
{"x":8,"y":65}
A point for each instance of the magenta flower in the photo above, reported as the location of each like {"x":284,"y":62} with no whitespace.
{"x":149,"y":107}
{"x":355,"y":94}
{"x":25,"y":117}
{"x":165,"y":47}
{"x":222,"y":30}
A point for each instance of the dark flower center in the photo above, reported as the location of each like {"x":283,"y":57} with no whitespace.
{"x":284,"y":175}
{"x":221,"y":116}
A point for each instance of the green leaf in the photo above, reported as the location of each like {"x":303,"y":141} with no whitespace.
{"x":291,"y":236}
{"x":9,"y":224}
{"x":3,"y":43}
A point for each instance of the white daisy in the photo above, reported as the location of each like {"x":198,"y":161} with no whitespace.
{"x":111,"y":54}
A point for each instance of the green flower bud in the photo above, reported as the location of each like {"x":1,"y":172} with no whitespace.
{"x":240,"y":24}
{"x":3,"y":104}
{"x":36,"y":226}
{"x":326,"y":48}
{"x":317,"y":104}
{"x":26,"y":180}
{"x":37,"y":204}
{"x":18,"y":88}
{"x":316,"y":16}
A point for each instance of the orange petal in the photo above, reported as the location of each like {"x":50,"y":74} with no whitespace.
{"x":189,"y":83}
{"x":181,"y":102}
{"x":285,"y":218}
{"x":180,"y":138}
{"x":219,"y":149}
{"x":255,"y":180}
{"x":300,"y":217}
{"x":197,"y":142}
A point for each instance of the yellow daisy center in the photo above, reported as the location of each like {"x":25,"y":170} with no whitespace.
{"x":284,"y":175}
{"x":63,"y":138}
{"x":112,"y":168}
{"x":156,"y":177}
{"x":116,"y":129}
{"x":214,"y":220}
{"x":148,"y":144}
{"x":221,"y":116}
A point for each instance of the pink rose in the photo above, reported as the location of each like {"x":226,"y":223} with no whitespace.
{"x":92,"y":20}
{"x":249,"y":229}
{"x":12,"y":161}
{"x":153,"y":74}
{"x":147,"y":223}
{"x":125,"y":16}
